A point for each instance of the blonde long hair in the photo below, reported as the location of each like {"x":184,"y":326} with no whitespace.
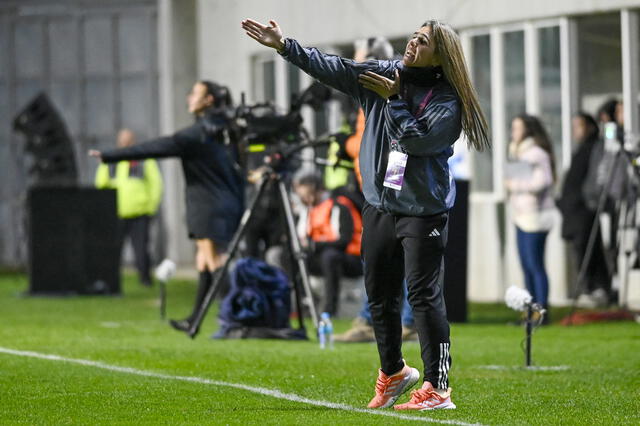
{"x":449,"y":51}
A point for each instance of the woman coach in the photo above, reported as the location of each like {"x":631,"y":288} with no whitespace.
{"x":415,"y":110}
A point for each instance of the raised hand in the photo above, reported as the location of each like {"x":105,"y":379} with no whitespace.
{"x":270,"y":36}
{"x":380,"y":84}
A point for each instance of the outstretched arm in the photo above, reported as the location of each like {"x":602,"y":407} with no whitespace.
{"x":168,"y":146}
{"x":334,"y":71}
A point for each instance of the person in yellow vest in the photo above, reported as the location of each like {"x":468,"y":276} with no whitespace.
{"x":333,"y":232}
{"x":139,"y":192}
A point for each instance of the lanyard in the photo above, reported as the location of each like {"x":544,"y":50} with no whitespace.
{"x":424,"y":103}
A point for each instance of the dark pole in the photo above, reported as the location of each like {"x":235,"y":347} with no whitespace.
{"x":528,"y":326}
{"x":163,"y":299}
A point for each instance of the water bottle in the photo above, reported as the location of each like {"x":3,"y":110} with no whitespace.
{"x":325,"y":331}
{"x":322,"y":334}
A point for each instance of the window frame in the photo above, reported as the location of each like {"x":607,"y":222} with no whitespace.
{"x":532,"y":87}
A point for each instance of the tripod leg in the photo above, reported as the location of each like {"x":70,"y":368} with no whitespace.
{"x":295,"y":279}
{"x":628,"y":244}
{"x":291,"y":268}
{"x":233,"y":248}
{"x":623,"y":261}
{"x":297,"y":252}
{"x":298,"y":296}
{"x":635,"y":227}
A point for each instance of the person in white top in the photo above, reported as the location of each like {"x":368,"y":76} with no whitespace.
{"x":529,"y":181}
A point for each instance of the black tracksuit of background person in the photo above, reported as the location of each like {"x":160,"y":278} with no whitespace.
{"x":214,"y":188}
{"x":578,"y":218}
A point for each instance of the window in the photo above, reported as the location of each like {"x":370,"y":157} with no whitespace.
{"x":599,"y":59}
{"x":514,"y":77}
{"x":550,"y":90}
{"x":293,"y":75}
{"x":269,"y":81}
{"x":481,"y":75}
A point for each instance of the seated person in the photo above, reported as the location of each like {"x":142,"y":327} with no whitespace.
{"x":333,"y":231}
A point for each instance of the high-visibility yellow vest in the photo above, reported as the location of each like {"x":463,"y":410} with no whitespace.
{"x":138,"y":185}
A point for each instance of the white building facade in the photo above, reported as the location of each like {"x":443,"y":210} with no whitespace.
{"x":548,"y":58}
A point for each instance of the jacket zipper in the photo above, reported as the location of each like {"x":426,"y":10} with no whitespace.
{"x":382,"y":197}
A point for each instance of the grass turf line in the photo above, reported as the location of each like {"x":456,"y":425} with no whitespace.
{"x":603,"y":363}
{"x":259,"y":390}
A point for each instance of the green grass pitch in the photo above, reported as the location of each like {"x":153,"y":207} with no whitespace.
{"x":598,"y":384}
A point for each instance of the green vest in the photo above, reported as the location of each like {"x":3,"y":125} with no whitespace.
{"x":336,"y":177}
{"x":138,"y":185}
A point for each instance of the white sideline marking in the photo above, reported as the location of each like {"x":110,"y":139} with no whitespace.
{"x":263,"y":391}
{"x":532,"y":368}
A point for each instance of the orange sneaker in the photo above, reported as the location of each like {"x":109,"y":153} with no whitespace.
{"x":389,"y":388}
{"x":427,"y":398}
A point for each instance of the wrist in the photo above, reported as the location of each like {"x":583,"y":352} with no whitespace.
{"x":280,"y":46}
{"x":393,"y":97}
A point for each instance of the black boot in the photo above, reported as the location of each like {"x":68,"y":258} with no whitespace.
{"x":204,"y":283}
{"x":180,"y":325}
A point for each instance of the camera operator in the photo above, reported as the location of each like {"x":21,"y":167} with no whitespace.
{"x":214,"y":188}
{"x":415,"y":110}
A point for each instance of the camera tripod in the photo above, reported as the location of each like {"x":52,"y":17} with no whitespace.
{"x":626,"y":238}
{"x":274,"y":168}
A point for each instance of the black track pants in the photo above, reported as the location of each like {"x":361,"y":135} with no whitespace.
{"x":137,"y":229}
{"x":398,"y":247}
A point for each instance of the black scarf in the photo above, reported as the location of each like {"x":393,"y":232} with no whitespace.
{"x":421,"y":77}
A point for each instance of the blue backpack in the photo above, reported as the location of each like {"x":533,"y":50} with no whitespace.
{"x":259,"y":298}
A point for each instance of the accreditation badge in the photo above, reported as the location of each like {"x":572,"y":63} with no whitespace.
{"x":394,"y":177}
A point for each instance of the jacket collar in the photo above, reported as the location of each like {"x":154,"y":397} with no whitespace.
{"x":516,"y":149}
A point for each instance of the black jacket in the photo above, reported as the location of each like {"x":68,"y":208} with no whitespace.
{"x":428,"y":140}
{"x":572,"y":204}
